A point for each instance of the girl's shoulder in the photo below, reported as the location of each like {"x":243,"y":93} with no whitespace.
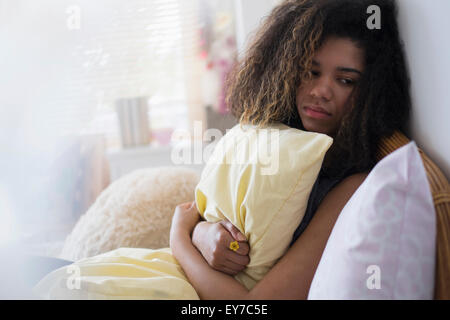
{"x":344,"y":189}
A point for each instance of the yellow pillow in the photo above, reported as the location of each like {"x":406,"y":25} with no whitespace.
{"x":260,"y":180}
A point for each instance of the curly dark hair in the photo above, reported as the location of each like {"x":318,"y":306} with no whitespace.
{"x":262,"y":87}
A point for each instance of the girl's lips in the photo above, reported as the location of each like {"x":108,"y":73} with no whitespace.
{"x":316,"y":114}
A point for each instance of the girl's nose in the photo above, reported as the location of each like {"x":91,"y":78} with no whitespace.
{"x":321,"y":89}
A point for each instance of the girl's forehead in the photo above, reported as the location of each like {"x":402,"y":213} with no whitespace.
{"x":339,"y":52}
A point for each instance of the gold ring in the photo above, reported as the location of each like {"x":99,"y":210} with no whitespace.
{"x":234,"y":246}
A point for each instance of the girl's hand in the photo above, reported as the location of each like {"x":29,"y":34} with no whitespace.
{"x":185,"y":218}
{"x":213,"y":241}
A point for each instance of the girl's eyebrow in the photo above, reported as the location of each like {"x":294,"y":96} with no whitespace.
{"x":345,"y":69}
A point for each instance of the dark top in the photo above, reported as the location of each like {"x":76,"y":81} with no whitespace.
{"x":322,"y":186}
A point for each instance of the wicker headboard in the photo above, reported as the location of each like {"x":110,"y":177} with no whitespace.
{"x":440,"y":190}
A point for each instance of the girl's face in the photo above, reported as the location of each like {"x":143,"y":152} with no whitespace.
{"x":323,"y":101}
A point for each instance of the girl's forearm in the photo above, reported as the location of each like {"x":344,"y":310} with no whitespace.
{"x":209,"y":283}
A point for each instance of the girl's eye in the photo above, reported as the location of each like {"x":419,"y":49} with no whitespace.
{"x":347,"y":81}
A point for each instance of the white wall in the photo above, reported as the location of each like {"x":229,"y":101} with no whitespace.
{"x":424,"y":28}
{"x":249,"y":15}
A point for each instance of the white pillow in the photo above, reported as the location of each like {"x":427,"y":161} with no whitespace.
{"x":383,"y":243}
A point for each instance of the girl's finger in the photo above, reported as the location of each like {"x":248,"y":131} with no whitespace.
{"x":235,"y":233}
{"x":237,"y":258}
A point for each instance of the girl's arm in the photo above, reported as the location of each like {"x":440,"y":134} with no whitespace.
{"x":290,"y":278}
{"x":209,"y":283}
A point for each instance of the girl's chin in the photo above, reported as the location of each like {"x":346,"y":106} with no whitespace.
{"x":316,"y":125}
{"x":318,"y":129}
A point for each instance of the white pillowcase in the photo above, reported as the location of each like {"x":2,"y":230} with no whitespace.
{"x":383,"y":243}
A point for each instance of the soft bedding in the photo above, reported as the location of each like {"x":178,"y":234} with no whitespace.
{"x":258,"y":178}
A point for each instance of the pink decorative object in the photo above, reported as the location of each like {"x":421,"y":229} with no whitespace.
{"x":162,"y":136}
{"x":383,"y":243}
{"x":218,"y":49}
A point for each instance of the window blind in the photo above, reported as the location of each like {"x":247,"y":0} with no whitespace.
{"x":99,"y":51}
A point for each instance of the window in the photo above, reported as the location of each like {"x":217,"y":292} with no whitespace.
{"x":92,"y":53}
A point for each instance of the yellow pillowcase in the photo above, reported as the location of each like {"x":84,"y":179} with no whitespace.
{"x":260,"y":180}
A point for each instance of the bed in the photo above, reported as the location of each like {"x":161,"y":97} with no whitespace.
{"x":440,"y":190}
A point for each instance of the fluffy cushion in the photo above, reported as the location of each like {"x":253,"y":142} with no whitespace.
{"x":260,"y":180}
{"x":134,"y":211}
{"x":383,"y":243}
